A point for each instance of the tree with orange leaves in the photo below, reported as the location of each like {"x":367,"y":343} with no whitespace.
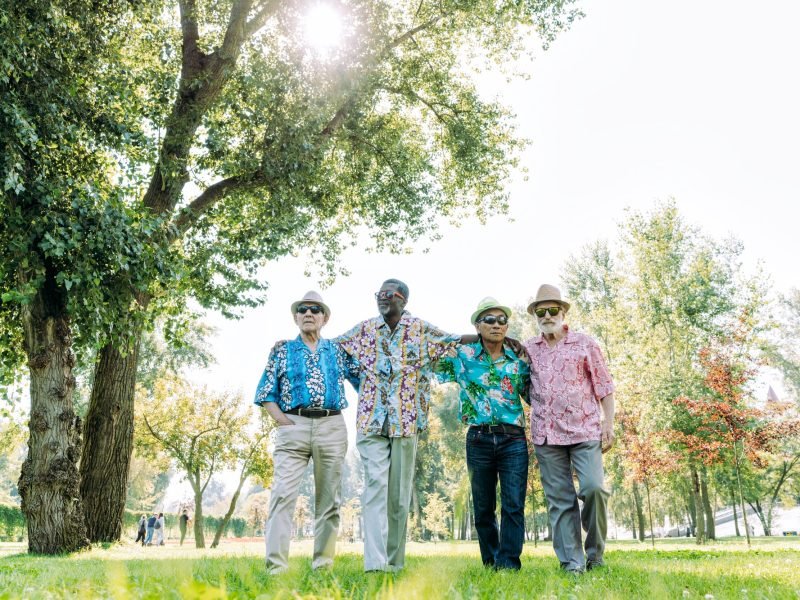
{"x":646,"y":456}
{"x":724,"y":420}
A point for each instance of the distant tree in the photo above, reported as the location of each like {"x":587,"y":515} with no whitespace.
{"x":435,"y":515}
{"x":203,"y":433}
{"x":302,"y":512}
{"x":648,"y":458}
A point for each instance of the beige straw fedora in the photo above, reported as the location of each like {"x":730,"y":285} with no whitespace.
{"x":312,"y":296}
{"x":547,"y":293}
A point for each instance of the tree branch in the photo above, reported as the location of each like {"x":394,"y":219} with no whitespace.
{"x":191,"y":32}
{"x":263,"y":14}
{"x":189,"y":215}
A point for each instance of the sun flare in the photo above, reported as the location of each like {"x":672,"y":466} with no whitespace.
{"x":323,"y":28}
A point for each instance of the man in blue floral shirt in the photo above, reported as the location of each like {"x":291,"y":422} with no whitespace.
{"x":492,"y":379}
{"x":302,"y":389}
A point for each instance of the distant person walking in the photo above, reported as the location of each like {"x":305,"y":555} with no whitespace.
{"x":572,"y":423}
{"x":142,"y":530}
{"x":151,"y":527}
{"x":159,"y":528}
{"x":183,"y":524}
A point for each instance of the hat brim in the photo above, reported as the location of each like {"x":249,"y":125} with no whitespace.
{"x":474,"y":318}
{"x":532,"y":305}
{"x":326,"y":311}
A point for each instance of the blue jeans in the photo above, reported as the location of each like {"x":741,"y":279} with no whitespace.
{"x":505,"y":456}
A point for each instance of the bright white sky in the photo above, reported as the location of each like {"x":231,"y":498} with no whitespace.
{"x":640,"y":101}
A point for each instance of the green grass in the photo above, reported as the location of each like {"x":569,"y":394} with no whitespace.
{"x":676,"y":569}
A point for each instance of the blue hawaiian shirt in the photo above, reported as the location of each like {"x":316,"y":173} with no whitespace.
{"x":490,"y":390}
{"x":296,"y":377}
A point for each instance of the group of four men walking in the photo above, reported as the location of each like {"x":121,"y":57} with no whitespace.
{"x":390,"y":360}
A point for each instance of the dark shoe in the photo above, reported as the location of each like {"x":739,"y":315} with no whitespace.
{"x":595,"y":564}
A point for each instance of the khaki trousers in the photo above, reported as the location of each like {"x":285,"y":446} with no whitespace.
{"x":325,"y":441}
{"x":388,"y":476}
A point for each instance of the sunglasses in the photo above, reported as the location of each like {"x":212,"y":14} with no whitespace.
{"x":491,"y":320}
{"x":304,"y":308}
{"x":388,"y":295}
{"x":551,"y":310}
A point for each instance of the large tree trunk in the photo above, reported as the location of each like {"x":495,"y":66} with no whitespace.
{"x":199,"y":537}
{"x":700,"y":520}
{"x":637,"y":501}
{"x":49,"y":481}
{"x":708,"y":510}
{"x":108,"y":442}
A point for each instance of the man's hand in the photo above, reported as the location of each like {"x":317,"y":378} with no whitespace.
{"x":277,"y":415}
{"x":606,"y":436}
{"x":517,"y":347}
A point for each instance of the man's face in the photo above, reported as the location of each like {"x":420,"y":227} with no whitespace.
{"x":307,"y":320}
{"x":390,"y":302}
{"x":549,"y":324}
{"x":492,"y":332}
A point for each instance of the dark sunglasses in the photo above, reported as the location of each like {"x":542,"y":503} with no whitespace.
{"x":387,"y":295}
{"x":304,"y":308}
{"x":551,"y":310}
{"x":491,"y":320}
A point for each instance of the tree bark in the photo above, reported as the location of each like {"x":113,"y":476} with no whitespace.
{"x":226,"y":519}
{"x":735,"y":516}
{"x":700,"y":519}
{"x":49,"y":480}
{"x":199,"y":538}
{"x":650,"y":513}
{"x":708,"y":511}
{"x":637,"y":501}
{"x":108,"y":442}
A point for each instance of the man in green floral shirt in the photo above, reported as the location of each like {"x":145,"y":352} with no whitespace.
{"x":493,"y":380}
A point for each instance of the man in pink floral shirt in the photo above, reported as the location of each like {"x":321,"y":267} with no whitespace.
{"x":572,"y":424}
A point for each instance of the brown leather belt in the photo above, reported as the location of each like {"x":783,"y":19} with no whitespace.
{"x":313,"y":413}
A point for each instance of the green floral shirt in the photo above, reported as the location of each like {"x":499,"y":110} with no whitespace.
{"x":490,"y":390}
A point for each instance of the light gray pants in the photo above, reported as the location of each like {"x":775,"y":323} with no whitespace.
{"x":388,"y":477}
{"x":556,"y":464}
{"x":325,"y":441}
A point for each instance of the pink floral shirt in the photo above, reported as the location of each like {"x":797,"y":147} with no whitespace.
{"x":567,"y":383}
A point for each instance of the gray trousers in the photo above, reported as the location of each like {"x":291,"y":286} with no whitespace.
{"x":388,"y":477}
{"x":324,"y":440}
{"x":556,"y":464}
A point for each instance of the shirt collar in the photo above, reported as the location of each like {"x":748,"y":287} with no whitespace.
{"x":479,"y":349}
{"x":567,"y":339}
{"x":322,"y":344}
{"x":405,"y":318}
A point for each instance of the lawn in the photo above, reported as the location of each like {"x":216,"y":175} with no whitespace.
{"x":675,"y":569}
